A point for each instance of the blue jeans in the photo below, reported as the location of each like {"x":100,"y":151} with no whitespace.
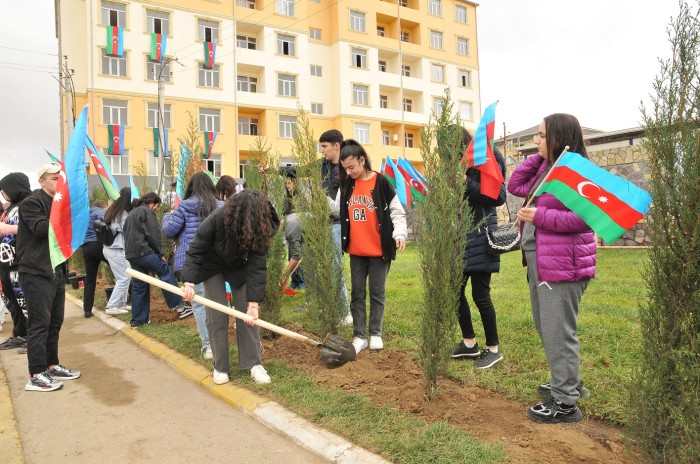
{"x":200,"y":316}
{"x":141,"y":291}
{"x":339,"y":261}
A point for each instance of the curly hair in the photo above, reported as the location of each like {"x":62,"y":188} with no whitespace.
{"x":248,"y":217}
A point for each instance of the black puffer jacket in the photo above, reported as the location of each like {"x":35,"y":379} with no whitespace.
{"x":16,"y":187}
{"x":475,"y":257}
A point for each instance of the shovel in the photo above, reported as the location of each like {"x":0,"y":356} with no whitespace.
{"x":334,"y":351}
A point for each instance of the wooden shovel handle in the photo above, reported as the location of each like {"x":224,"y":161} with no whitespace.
{"x":219,"y":307}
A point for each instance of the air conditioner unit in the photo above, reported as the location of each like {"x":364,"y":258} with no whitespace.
{"x":396,"y":137}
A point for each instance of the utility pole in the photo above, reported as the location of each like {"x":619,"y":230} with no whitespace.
{"x":504,"y":140}
{"x":161,"y":131}
{"x":69,"y":99}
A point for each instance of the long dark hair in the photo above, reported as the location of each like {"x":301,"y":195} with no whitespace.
{"x":248,"y":217}
{"x":201,"y":187}
{"x":123,"y":203}
{"x":150,"y":198}
{"x":351,"y":149}
{"x":561,"y":130}
{"x":225,"y":187}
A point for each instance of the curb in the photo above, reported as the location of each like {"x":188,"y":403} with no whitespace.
{"x":325,"y":444}
{"x":10,"y":443}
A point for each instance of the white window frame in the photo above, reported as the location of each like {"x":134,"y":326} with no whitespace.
{"x":408,"y":105}
{"x":464,"y":78}
{"x":316,"y":70}
{"x":462,"y":46}
{"x":286,"y":45}
{"x":155,"y":17}
{"x":436,"y":40}
{"x":152,"y":115}
{"x":438,"y":105}
{"x":317,"y":108}
{"x":248,"y":126}
{"x":406,"y":70}
{"x":358,"y":58}
{"x":435,"y":7}
{"x":250,"y":4}
{"x":113,"y":13}
{"x":382,"y":66}
{"x":361,"y":132}
{"x":461,"y":14}
{"x":115,"y":66}
{"x":213,"y":164}
{"x":405,"y":36}
{"x":285,"y":126}
{"x":466,"y":111}
{"x":247,"y":42}
{"x":315,"y":33}
{"x":247,"y":84}
{"x":118,"y":164}
{"x":286,"y":85}
{"x":358,"y":21}
{"x":384,"y":101}
{"x":408,"y":140}
{"x":209,"y":120}
{"x":115,"y":112}
{"x":437,"y":73}
{"x":360,"y":94}
{"x":154,"y":164}
{"x":386,"y":137}
{"x":284,"y":7}
{"x":203,"y":25}
{"x":381,"y":31}
{"x":208,"y":77}
{"x":153,"y":69}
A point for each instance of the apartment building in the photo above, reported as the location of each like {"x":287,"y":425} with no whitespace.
{"x":375,"y":70}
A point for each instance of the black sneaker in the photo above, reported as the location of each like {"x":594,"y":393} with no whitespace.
{"x":43,"y":382}
{"x":87,"y":315}
{"x":461,"y":351}
{"x":546,"y":390}
{"x":551,"y":411}
{"x":184,"y":312}
{"x":63,"y":373}
{"x":12,"y":342}
{"x":487,"y":358}
{"x":136,"y":325}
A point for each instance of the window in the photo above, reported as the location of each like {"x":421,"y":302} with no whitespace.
{"x":246,"y":4}
{"x":154,"y":69}
{"x":436,"y":40}
{"x":406,"y":70}
{"x":359,"y":94}
{"x":357,"y":21}
{"x":208,"y":31}
{"x":465,"y":78}
{"x":113,"y":65}
{"x":437,"y":73}
{"x":315,"y":1}
{"x":316,"y":70}
{"x":382,"y":66}
{"x":286,"y":85}
{"x":243,"y":41}
{"x":114,"y":112}
{"x":113,"y":14}
{"x":462,"y":46}
{"x":381,"y":32}
{"x":461,"y":14}
{"x":284,"y":7}
{"x":383,"y":101}
{"x":285,"y":45}
{"x":118,"y":164}
{"x":209,"y":120}
{"x":158,"y":22}
{"x":209,"y":77}
{"x":247,"y":84}
{"x":154,"y":164}
{"x":408,"y":105}
{"x":359,"y":58}
{"x":438,"y":105}
{"x":213,"y":164}
{"x":408,"y":140}
{"x":403,"y":3}
{"x":385,"y":138}
{"x":317,"y":108}
{"x":405,"y":36}
{"x":248,"y":126}
{"x":361,"y":132}
{"x":435,"y":7}
{"x":153,"y":115}
{"x":286,"y":126}
{"x":465,"y":111}
{"x":315,"y":33}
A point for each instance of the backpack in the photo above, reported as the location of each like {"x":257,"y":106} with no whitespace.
{"x":104,"y":233}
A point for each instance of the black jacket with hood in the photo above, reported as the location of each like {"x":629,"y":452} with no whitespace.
{"x":16,"y":187}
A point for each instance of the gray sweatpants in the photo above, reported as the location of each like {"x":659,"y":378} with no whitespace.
{"x":247,"y":337}
{"x":362,"y":271}
{"x":555,"y":312}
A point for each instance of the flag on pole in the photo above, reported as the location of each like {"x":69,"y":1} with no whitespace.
{"x":103,"y":171}
{"x":156,"y":142}
{"x":418,"y":189}
{"x":52,"y":157}
{"x":609,"y":204}
{"x":479,"y":154}
{"x":70,"y":210}
{"x":134,"y":189}
{"x":414,"y":173}
{"x":209,"y":139}
{"x":158,"y":42}
{"x":209,"y":54}
{"x":398,"y":182}
{"x":116,"y":139}
{"x":115,"y":41}
{"x":181,"y":175}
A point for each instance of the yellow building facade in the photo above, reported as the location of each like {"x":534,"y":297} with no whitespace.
{"x":374,"y":70}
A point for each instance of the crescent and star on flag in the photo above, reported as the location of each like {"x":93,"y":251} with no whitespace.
{"x":579,"y":188}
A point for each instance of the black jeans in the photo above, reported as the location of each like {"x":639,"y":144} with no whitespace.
{"x":481,"y":293}
{"x":46,"y":297}
{"x":92,"y":254}
{"x":14,"y":304}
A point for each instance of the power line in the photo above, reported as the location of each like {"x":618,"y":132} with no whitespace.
{"x":29,"y":65}
{"x":30,"y":70}
{"x":28,"y":51}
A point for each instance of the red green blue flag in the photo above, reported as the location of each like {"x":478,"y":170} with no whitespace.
{"x":479,"y":154}
{"x":53,"y":157}
{"x":419,"y":190}
{"x":70,"y":210}
{"x":156,"y":141}
{"x":403,"y":189}
{"x":158,"y":42}
{"x":102,"y":169}
{"x":116,"y":139}
{"x":209,"y":139}
{"x":609,"y":204}
{"x":115,"y":41}
{"x":209,"y":54}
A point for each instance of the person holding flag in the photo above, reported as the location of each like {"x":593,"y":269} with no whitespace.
{"x":559,"y":250}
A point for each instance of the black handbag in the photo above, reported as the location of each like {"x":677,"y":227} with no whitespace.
{"x":502,"y":240}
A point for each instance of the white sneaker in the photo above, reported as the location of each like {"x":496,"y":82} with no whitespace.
{"x":259,"y":374}
{"x":115,"y":311}
{"x":220,"y":378}
{"x":359,"y":344}
{"x":206,"y":352}
{"x":376,"y":343}
{"x":126,"y":308}
{"x":348,"y":319}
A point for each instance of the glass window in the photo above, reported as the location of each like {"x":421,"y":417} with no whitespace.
{"x":153,"y":70}
{"x":114,"y":112}
{"x":408,"y":140}
{"x":113,"y":14}
{"x":461,"y":14}
{"x":208,"y":31}
{"x":153,"y":115}
{"x":381,"y":32}
{"x":438,"y":105}
{"x":382,"y":66}
{"x":406,"y":70}
{"x":154,"y":164}
{"x":357,"y":21}
{"x":243,"y":41}
{"x":383,"y":101}
{"x":286,"y":126}
{"x":158,"y":22}
{"x":118,"y":164}
{"x":316,"y":70}
{"x":462,"y":46}
{"x":407,"y":105}
{"x":286,"y":85}
{"x":361,"y":131}
{"x":405,"y":36}
{"x":435,"y":7}
{"x":315,"y":33}
{"x":246,"y":4}
{"x":359,"y":94}
{"x":359,"y":58}
{"x":385,"y":137}
{"x":248,"y":126}
{"x":285,"y":44}
{"x":209,"y":77}
{"x":317,"y":108}
{"x":465,"y":111}
{"x":436,"y":40}
{"x":113,"y":65}
{"x":437,"y":73}
{"x":403,"y":3}
{"x":284,"y":7}
{"x":465,"y":78}
{"x":213,"y":164}
{"x":209,"y":120}
{"x":247,"y":84}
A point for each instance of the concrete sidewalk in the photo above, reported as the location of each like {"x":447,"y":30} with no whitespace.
{"x":129,"y":406}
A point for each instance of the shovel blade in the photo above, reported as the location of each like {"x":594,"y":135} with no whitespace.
{"x":336,"y":351}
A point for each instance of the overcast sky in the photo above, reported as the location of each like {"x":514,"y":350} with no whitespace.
{"x":595,"y":59}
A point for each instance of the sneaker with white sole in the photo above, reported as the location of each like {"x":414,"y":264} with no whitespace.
{"x":376,"y":343}
{"x":207,"y":353}
{"x":487,"y":358}
{"x":63,"y":373}
{"x":220,"y":378}
{"x":552,"y":411}
{"x":347,"y":320}
{"x":115,"y":311}
{"x":43,"y":382}
{"x":359,"y":344}
{"x":259,"y":374}
{"x":463,"y":351}
{"x":184,"y":311}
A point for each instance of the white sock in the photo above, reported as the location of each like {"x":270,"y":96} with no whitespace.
{"x":468,"y":345}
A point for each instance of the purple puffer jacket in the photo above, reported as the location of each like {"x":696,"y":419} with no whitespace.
{"x":181,"y":224}
{"x":566,"y":247}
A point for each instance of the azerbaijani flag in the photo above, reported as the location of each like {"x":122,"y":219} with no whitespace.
{"x":116,"y":139}
{"x":70,"y":210}
{"x":418,"y":189}
{"x":609,"y":204}
{"x":209,"y":139}
{"x":209,"y":54}
{"x":115,"y":41}
{"x":134,"y":189}
{"x":414,"y":172}
{"x":181,"y":175}
{"x":479,"y":155}
{"x":397,"y":180}
{"x":158,"y":42}
{"x":103,"y":171}
{"x":53,"y":158}
{"x":156,"y":142}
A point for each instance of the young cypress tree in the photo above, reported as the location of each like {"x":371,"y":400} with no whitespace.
{"x":664,"y":394}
